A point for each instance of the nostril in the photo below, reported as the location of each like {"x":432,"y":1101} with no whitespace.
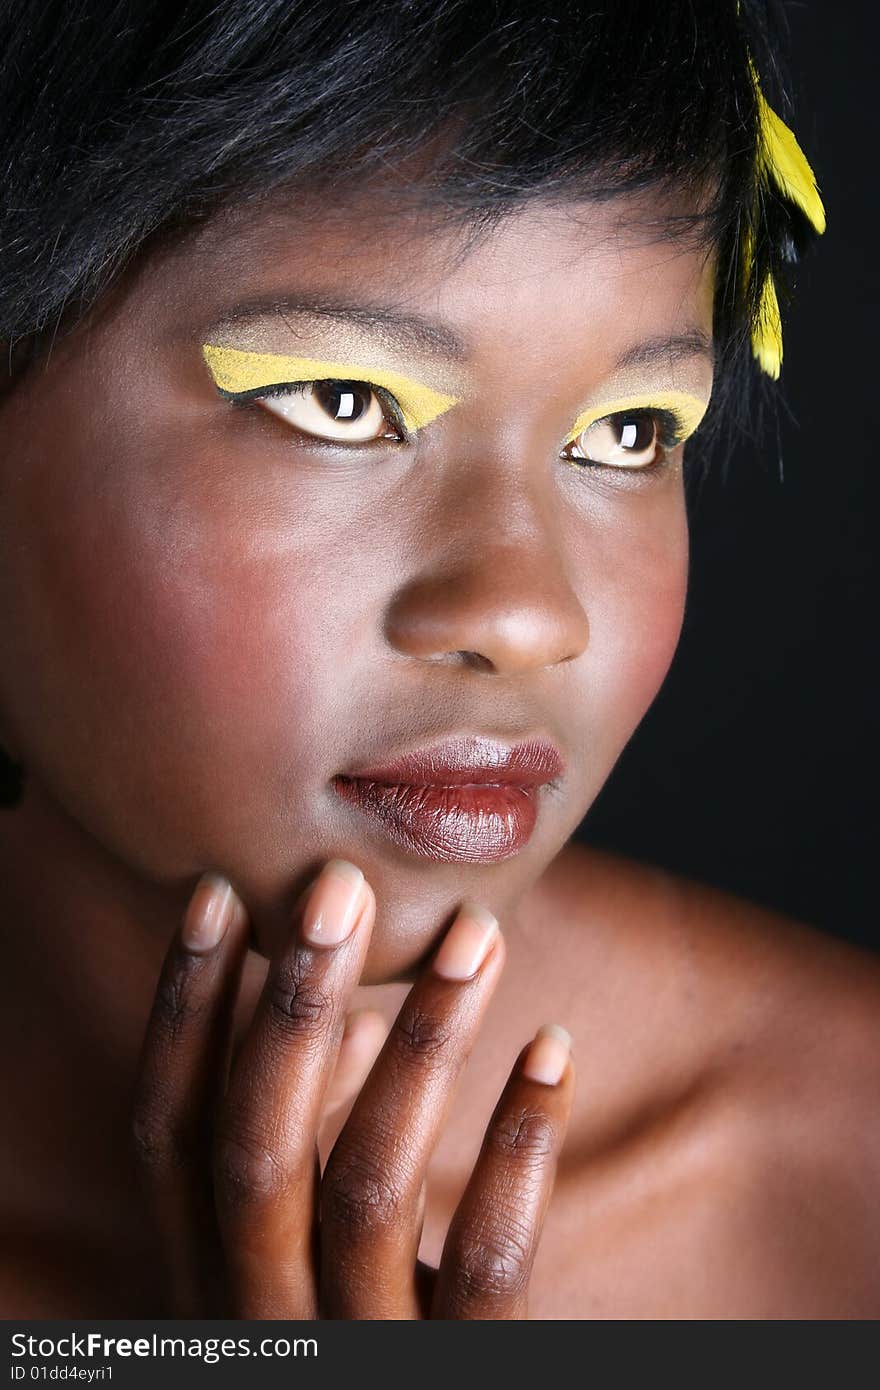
{"x":472,"y":659}
{"x":475,"y":660}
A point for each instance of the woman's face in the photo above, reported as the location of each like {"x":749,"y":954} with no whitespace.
{"x":209,"y":612}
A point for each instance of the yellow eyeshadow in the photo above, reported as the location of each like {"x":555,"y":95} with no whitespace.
{"x":235,"y":370}
{"x":689,"y":410}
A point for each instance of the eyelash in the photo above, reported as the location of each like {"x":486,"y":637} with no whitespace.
{"x":671,"y":432}
{"x":258,"y":393}
{"x":670,"y":428}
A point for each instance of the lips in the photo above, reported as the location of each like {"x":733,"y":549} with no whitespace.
{"x":467,"y":800}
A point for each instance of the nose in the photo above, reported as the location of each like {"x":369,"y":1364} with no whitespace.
{"x":494,"y":591}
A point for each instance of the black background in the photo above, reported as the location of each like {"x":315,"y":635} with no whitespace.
{"x":755,"y":769}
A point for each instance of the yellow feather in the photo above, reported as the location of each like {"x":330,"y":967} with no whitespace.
{"x":784,"y":160}
{"x":767,"y":331}
{"x":781,"y":161}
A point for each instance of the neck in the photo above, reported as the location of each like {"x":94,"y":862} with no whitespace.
{"x":83,"y":925}
{"x":84,"y":939}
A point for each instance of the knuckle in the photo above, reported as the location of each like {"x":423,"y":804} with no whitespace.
{"x":492,"y":1263}
{"x":247,"y":1172}
{"x":526,"y":1135}
{"x":173,"y":1004}
{"x":419,"y":1034}
{"x":158,"y":1145}
{"x":297,"y":1004}
{"x":360,"y":1196}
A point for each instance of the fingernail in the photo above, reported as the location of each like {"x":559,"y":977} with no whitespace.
{"x":548,"y":1055}
{"x":212,"y":907}
{"x":332,"y":909}
{"x":466,"y":944}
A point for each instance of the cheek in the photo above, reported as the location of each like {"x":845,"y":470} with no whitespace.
{"x":636,"y":608}
{"x":643,"y":639}
{"x":177,"y":684}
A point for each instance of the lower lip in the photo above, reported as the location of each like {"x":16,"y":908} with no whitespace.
{"x":474,"y":824}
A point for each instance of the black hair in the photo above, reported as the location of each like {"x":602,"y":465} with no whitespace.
{"x":123,"y":122}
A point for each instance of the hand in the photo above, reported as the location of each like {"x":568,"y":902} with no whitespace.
{"x":250,"y":1225}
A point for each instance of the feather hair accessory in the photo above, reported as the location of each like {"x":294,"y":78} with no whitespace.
{"x":784,"y":170}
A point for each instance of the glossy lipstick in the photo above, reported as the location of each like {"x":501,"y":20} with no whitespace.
{"x":468,"y":800}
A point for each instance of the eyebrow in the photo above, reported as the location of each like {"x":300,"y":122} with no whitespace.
{"x":431,"y":335}
{"x":406,"y":328}
{"x":665,"y":351}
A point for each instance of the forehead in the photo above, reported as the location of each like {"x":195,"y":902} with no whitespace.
{"x":540,"y":258}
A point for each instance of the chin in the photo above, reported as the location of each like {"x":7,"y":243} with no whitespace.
{"x":416,"y":901}
{"x":413,"y":911}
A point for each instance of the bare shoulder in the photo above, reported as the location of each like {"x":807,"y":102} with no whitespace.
{"x":727,"y":1122}
{"x":719,"y":940}
{"x":759,"y":975}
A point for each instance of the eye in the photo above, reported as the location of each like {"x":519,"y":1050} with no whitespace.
{"x":637,"y":439}
{"x":348,"y":412}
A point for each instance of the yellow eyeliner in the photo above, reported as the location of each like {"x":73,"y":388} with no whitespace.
{"x":235,"y":370}
{"x":689,"y":410}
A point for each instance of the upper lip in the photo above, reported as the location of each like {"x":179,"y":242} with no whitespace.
{"x":469,"y":759}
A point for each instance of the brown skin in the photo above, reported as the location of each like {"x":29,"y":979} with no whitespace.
{"x":204,"y":619}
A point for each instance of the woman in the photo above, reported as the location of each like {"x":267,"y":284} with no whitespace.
{"x":343,"y":548}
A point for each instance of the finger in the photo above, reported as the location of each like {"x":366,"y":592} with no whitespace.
{"x":493,"y":1236}
{"x":370,"y":1216}
{"x":265,"y":1156}
{"x":365,"y":1032}
{"x":180,"y":1077}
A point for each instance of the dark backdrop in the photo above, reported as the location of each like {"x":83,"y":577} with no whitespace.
{"x":755,"y":769}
